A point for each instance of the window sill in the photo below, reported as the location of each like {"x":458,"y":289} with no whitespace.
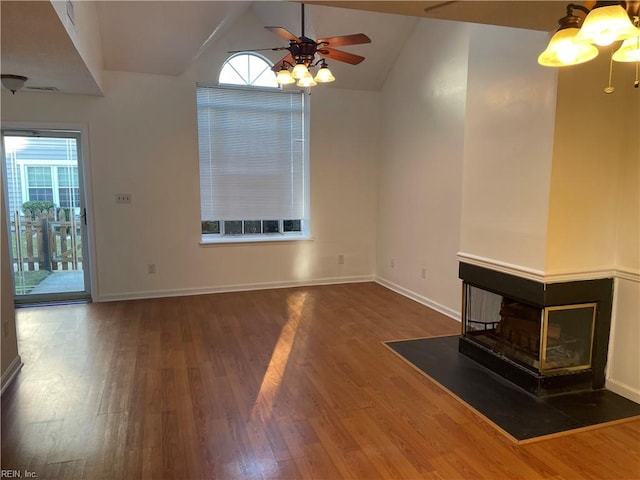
{"x":244,"y":240}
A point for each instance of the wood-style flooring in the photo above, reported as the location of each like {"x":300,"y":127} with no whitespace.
{"x":278,"y":384}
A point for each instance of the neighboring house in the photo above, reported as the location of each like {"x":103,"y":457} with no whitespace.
{"x":41,"y":169}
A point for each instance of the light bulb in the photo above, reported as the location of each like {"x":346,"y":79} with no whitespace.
{"x":299,"y":71}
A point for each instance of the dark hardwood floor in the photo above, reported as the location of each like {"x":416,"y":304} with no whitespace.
{"x":287,"y":383}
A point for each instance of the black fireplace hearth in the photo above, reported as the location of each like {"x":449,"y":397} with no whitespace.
{"x":547,"y":338}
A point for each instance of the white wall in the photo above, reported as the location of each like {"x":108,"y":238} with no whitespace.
{"x":143,"y":141}
{"x":594,"y":212}
{"x":507,"y":148}
{"x":623,"y":367}
{"x":420,"y":177}
{"x":10,"y":361}
{"x":468,"y":138}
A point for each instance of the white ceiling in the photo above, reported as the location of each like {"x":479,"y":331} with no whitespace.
{"x":164,"y":37}
{"x":35,"y":44}
{"x":159,"y":37}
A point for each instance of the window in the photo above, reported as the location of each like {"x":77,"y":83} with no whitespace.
{"x":58,"y":185}
{"x":253,"y":156}
{"x":248,"y":69}
{"x":40,"y":184}
{"x":68,"y":191}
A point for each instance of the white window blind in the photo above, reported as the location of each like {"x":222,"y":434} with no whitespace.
{"x":252,"y":154}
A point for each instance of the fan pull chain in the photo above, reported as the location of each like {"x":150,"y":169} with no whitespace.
{"x":610,"y":88}
{"x":636,"y":22}
{"x":636,"y":84}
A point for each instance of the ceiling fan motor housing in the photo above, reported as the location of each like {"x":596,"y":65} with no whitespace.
{"x":303,"y":51}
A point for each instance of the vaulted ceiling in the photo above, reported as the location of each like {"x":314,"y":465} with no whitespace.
{"x":165,"y":37}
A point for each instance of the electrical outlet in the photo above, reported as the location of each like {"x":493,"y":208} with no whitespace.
{"x":340,"y":259}
{"x":151,"y":268}
{"x":423,"y":273}
{"x":123,"y":198}
{"x":393,"y":263}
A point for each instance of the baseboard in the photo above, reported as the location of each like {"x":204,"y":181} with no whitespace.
{"x":10,"y":373}
{"x":623,"y":389}
{"x":449,"y":312}
{"x":232,"y":288}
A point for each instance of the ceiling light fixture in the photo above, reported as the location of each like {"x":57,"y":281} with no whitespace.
{"x":13,"y":82}
{"x":298,"y":65}
{"x":563,"y":49}
{"x":606,"y":23}
{"x":303,"y":50}
{"x":301,"y":74}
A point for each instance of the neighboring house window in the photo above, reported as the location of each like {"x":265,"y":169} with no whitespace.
{"x":40,"y":184}
{"x":58,"y":185}
{"x":253,"y":155}
{"x":41,"y":168}
{"x":68,"y":190}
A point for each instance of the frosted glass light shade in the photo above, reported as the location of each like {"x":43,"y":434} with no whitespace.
{"x":307,"y":81}
{"x":563,"y":50}
{"x":13,"y":82}
{"x":324,"y":75}
{"x":605,"y":25}
{"x":629,"y":51}
{"x":284,"y":77}
{"x":299,"y":71}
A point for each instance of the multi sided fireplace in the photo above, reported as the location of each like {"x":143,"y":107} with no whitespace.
{"x":546,"y":337}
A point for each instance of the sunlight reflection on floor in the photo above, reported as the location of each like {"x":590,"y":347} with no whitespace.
{"x":274,"y":374}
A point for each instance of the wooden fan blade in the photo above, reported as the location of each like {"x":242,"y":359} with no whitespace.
{"x":278,"y":66}
{"x":274,"y":49}
{"x":341,"y":56}
{"x":283,"y":33}
{"x":355,"y":39}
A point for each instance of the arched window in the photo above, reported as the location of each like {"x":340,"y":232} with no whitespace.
{"x":254,"y":155}
{"x":248,"y":69}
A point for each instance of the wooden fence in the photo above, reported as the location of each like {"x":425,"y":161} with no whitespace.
{"x":46,"y":240}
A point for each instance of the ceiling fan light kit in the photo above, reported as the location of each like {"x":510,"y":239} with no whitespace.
{"x":296,"y":67}
{"x":324,"y":75}
{"x":299,"y":71}
{"x":307,"y":80}
{"x":284,"y":77}
{"x":579,"y":35}
{"x":606,"y":24}
{"x":629,"y":51}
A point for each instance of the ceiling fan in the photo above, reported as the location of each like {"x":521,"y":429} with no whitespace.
{"x":302,"y":55}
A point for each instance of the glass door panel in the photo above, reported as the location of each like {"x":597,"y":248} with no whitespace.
{"x":46,"y":215}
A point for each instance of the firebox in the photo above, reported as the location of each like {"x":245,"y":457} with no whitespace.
{"x":546,"y":337}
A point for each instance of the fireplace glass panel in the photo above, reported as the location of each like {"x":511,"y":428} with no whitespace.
{"x":507,"y":327}
{"x":569,"y":337}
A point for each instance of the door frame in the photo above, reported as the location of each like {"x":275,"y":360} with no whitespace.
{"x":84,"y":172}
